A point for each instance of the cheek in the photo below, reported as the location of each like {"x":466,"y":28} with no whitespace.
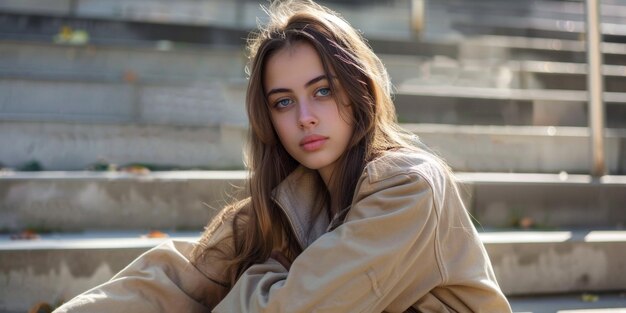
{"x":281,"y":128}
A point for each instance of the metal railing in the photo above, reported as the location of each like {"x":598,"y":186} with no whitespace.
{"x":595,"y":88}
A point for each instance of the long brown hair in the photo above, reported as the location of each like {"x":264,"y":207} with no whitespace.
{"x":365,"y":81}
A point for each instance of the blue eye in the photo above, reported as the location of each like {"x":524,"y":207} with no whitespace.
{"x":323,"y":92}
{"x":282,"y":103}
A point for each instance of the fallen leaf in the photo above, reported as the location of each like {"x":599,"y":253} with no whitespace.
{"x":155,"y":234}
{"x":587,"y":297}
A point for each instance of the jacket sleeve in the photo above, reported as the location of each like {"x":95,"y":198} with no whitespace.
{"x":160,"y":280}
{"x":387,"y":242}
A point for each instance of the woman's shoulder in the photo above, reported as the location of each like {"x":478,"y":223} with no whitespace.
{"x":407,"y":161}
{"x":222,"y":224}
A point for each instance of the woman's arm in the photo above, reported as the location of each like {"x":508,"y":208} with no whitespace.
{"x":387,"y":241}
{"x":173,"y":277}
{"x":160,"y":280}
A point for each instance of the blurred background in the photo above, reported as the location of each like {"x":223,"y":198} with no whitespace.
{"x":123,"y":123}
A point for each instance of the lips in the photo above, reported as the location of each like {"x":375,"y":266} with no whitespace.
{"x":312,"y":142}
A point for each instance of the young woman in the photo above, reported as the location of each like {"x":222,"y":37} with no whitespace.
{"x":346,"y":211}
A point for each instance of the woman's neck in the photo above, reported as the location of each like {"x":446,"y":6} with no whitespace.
{"x":326,"y":174}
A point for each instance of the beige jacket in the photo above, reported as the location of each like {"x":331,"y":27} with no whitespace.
{"x":405,"y":244}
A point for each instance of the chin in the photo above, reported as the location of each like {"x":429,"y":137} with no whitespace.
{"x":312,"y":165}
{"x":316,"y":163}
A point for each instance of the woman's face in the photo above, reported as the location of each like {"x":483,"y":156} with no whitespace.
{"x":304,"y":112}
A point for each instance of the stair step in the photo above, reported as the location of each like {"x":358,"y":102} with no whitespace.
{"x":172,"y":103}
{"x":193,"y":104}
{"x":57,"y":267}
{"x":566,"y":10}
{"x":528,"y":74}
{"x":563,"y":75}
{"x":509,"y":94}
{"x":68,"y":145}
{"x":473,"y":148}
{"x":521,"y":149}
{"x":115,"y":33}
{"x":47,"y":61}
{"x":539,"y":49}
{"x":79,"y":201}
{"x":581,"y":302}
{"x":545,"y":201}
{"x":393,"y":18}
{"x":557,"y":262}
{"x":118,"y":63}
{"x":534,"y":27}
{"x":500,"y":48}
{"x":187,"y":65}
{"x":492,"y":106}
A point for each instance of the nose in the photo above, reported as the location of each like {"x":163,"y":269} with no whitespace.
{"x":306,"y":116}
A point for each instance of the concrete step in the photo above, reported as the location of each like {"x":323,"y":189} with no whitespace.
{"x":494,"y":47}
{"x":558,"y":10}
{"x":106,"y":31}
{"x":582,"y":302}
{"x":63,"y":145}
{"x":215,"y":12}
{"x":54,"y":268}
{"x":533,"y":263}
{"x":187,"y":65}
{"x":564,"y":76}
{"x":457,"y":19}
{"x":416,"y":70}
{"x":392,"y":17}
{"x":156,"y":63}
{"x":31,"y":60}
{"x":72,"y":123}
{"x":200,"y":104}
{"x":471,"y":148}
{"x":81,"y":201}
{"x":492,"y":106}
{"x":500,"y":48}
{"x":545,"y":201}
{"x":520,"y":149}
{"x":190,"y":104}
{"x":29,"y":28}
{"x":535,"y":27}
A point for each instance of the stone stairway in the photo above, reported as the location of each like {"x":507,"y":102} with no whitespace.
{"x":55,"y":268}
{"x":502,"y":99}
{"x":93,"y":224}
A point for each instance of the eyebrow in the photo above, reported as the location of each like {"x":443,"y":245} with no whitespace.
{"x":309,"y":83}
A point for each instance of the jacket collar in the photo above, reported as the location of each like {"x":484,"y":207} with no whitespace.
{"x":296,"y":196}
